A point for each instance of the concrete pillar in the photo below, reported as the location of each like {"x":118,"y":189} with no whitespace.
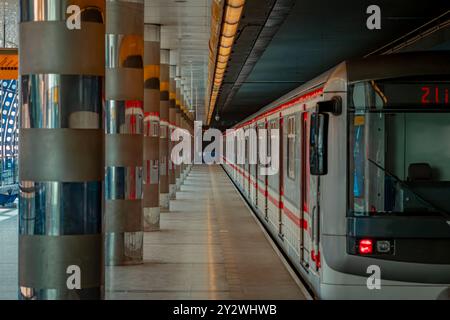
{"x":164,"y":142}
{"x":172,"y":119}
{"x":152,"y":58}
{"x":61,"y":151}
{"x":124,"y":132}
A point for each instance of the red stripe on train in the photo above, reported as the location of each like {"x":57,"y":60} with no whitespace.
{"x":301,"y":223}
{"x":300,"y":99}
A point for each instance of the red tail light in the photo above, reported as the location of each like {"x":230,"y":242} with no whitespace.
{"x":365,"y":246}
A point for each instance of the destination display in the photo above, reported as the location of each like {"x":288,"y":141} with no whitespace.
{"x":413,"y":95}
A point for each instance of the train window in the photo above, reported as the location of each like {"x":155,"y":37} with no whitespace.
{"x":163,"y":130}
{"x":269,"y":138}
{"x":273,"y":126}
{"x":318,"y":144}
{"x":261,"y":147}
{"x":247,"y":150}
{"x":154,"y":128}
{"x":235,"y":146}
{"x":291,"y":148}
{"x":393,"y":168}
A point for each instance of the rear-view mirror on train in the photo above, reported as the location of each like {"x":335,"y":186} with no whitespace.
{"x":318,"y":144}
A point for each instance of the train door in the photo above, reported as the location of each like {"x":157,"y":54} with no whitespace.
{"x":254,"y":167}
{"x":266,"y":178}
{"x":314,"y":195}
{"x":247,"y":166}
{"x":242,"y":161}
{"x":273,"y":185}
{"x":238,"y":152}
{"x":235,"y":158}
{"x":292,"y":184}
{"x":305,"y":246}
{"x":262,"y":178}
{"x":281,"y":179}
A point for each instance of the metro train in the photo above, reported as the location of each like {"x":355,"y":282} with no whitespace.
{"x":361,"y":202}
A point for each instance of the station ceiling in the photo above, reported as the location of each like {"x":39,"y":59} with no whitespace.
{"x":315,"y":35}
{"x":185,"y":29}
{"x":280,"y":45}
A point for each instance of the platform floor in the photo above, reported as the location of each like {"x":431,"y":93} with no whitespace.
{"x":8,"y":254}
{"x":209,"y":247}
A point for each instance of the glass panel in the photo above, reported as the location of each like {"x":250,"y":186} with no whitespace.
{"x":291,"y":148}
{"x":399,"y":159}
{"x":154,"y":128}
{"x":405,"y":94}
{"x":163,"y":130}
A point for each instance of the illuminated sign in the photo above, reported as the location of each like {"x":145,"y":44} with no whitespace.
{"x":416,"y":94}
{"x":435,"y":94}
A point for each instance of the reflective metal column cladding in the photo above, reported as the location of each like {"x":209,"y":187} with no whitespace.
{"x":172,"y":115}
{"x":190,"y":139}
{"x":189,"y":151}
{"x":177,"y":125}
{"x":124,"y":132}
{"x":164,"y":128}
{"x":61,"y":151}
{"x":183,"y":127}
{"x":188,"y":130}
{"x":191,"y":131}
{"x":152,"y":137}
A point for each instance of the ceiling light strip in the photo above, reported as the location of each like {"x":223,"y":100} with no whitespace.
{"x":220,"y":53}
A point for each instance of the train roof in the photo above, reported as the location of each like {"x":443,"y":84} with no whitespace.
{"x":399,"y":65}
{"x":373,"y":68}
{"x":307,"y":87}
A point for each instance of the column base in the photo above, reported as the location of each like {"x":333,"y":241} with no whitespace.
{"x":152,"y":219}
{"x":124,"y":248}
{"x":173,"y":191}
{"x":95,"y":293}
{"x":164,"y":202}
{"x":178,"y":184}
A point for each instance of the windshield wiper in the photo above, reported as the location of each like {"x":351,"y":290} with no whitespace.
{"x":443,"y":212}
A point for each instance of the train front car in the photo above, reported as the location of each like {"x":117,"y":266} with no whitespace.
{"x":386,"y":235}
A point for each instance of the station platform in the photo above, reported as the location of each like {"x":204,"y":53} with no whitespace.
{"x":8,"y":253}
{"x":210,"y":247}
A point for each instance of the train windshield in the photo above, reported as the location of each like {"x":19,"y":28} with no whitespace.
{"x":399,"y":148}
